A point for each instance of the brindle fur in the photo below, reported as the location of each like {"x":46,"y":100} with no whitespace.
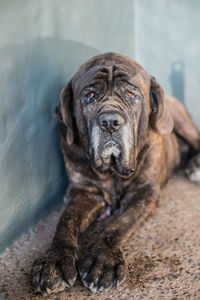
{"x":166,"y":139}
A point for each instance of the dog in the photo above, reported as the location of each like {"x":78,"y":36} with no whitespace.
{"x":121,"y":138}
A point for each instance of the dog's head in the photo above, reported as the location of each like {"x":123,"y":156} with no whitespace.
{"x":109,"y":104}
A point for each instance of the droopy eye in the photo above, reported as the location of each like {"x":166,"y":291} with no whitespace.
{"x":131,"y":95}
{"x":89,"y":97}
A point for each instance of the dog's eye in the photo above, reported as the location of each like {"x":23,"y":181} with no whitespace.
{"x":131,"y":95}
{"x":89,"y":97}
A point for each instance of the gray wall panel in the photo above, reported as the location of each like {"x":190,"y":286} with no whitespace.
{"x":167,"y":34}
{"x":42,"y":43}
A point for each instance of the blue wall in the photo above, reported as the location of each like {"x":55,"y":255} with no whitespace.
{"x":42,"y":43}
{"x":168,"y":46}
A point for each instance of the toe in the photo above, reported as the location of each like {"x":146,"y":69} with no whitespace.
{"x":85,"y":266}
{"x":92,"y":278}
{"x":36,"y":274}
{"x":46,"y":277}
{"x":119,"y":274}
{"x":68,"y":270}
{"x":105,"y":281}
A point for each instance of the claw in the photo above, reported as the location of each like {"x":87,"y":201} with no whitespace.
{"x":94,"y":289}
{"x":100,"y":288}
{"x":84,"y":275}
{"x":90,"y":286}
{"x":48,"y":291}
{"x":71,"y":282}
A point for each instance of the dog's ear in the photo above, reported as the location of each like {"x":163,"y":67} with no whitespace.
{"x":63,"y":113}
{"x":160,"y":116}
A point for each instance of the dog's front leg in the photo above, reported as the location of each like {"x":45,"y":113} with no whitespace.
{"x":56,"y":269}
{"x":104,"y":265}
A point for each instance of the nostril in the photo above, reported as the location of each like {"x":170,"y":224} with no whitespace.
{"x":105,"y":124}
{"x":110,"y":121}
{"x":116,"y":123}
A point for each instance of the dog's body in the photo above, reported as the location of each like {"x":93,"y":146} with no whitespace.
{"x":121,"y":140}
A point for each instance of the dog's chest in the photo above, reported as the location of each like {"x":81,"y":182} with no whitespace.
{"x":113,"y":191}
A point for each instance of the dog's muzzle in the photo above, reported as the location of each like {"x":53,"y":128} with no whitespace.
{"x":110,"y":121}
{"x":112,"y":142}
{"x":110,"y":150}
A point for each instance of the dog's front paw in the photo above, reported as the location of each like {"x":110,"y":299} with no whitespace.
{"x":102,"y":268}
{"x":54,"y":271}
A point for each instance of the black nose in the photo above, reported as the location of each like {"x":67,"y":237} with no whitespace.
{"x":111,"y":121}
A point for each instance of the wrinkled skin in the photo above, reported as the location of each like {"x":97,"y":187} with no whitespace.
{"x":122,"y":138}
{"x":110,"y":115}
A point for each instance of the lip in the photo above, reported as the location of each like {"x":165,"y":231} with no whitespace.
{"x":110,"y":152}
{"x":122,"y":175}
{"x":111,"y":148}
{"x":115,"y":168}
{"x":123,"y":172}
{"x":110,"y":159}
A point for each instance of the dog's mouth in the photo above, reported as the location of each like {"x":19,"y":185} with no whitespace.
{"x":110,"y":159}
{"x":110,"y":152}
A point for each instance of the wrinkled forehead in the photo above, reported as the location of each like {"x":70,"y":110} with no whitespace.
{"x":109,"y":70}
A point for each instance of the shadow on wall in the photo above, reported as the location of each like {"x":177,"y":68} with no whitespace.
{"x":32,"y":174}
{"x":177,"y":80}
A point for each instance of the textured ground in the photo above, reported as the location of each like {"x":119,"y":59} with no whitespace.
{"x":163,"y":256}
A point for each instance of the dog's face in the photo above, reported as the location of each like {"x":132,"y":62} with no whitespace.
{"x":114,"y":100}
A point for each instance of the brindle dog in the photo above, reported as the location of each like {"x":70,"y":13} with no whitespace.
{"x":122,"y":138}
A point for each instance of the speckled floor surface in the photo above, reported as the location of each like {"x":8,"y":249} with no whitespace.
{"x":163,"y":256}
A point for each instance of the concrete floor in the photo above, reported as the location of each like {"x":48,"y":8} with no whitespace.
{"x":163,"y":256}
